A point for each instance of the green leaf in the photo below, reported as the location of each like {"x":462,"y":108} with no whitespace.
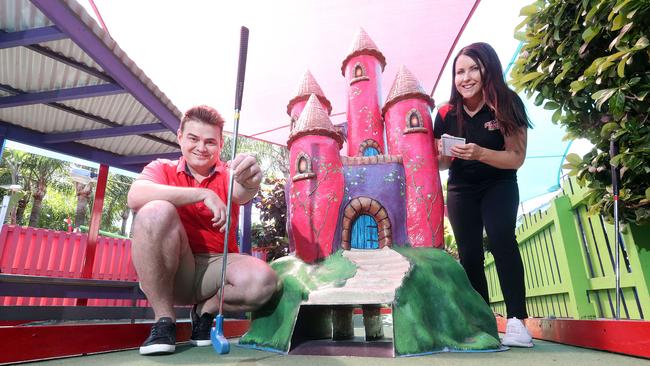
{"x":647,"y":193}
{"x":520,"y":36}
{"x":620,"y":35}
{"x":528,"y":10}
{"x":618,"y":22}
{"x":556,"y":116}
{"x":607,"y":129}
{"x":617,"y":102}
{"x":574,"y":159}
{"x":602,"y":95}
{"x":578,"y":85}
{"x":591,"y":13}
{"x":602,"y":92}
{"x":590,"y":33}
{"x":616,"y":55}
{"x":620,"y":69}
{"x":641,"y":43}
{"x":551,"y":106}
{"x":530,"y":76}
{"x":620,"y":6}
{"x":604,"y":66}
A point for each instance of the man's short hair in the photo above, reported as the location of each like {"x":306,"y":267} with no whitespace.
{"x":204,"y":114}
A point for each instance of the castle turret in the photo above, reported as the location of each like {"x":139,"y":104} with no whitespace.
{"x":362,"y":69}
{"x":317,"y":181}
{"x":307,"y":87}
{"x":409,"y":133}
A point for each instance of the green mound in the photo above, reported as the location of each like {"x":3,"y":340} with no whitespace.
{"x":272,"y":325}
{"x":436,"y":308}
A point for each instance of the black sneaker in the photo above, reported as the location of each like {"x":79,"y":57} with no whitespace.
{"x":162,"y":339}
{"x":201,"y":328}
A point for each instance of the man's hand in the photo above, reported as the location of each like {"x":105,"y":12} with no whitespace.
{"x":218,"y":208}
{"x":247,"y":172}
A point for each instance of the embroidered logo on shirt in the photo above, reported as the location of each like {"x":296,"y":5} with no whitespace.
{"x":492,"y":125}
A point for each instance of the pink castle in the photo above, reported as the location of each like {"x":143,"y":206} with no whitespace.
{"x":385,"y":191}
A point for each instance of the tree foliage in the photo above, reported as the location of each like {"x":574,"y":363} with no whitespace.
{"x":50,"y":197}
{"x":588,"y":61}
{"x":116,"y":209}
{"x":272,"y":232}
{"x":273,"y":159}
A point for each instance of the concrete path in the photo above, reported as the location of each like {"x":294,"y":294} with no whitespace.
{"x":379,"y":274}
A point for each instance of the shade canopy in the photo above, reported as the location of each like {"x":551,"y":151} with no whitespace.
{"x":67,"y":86}
{"x":191,"y":49}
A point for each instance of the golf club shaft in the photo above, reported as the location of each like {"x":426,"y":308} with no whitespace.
{"x":241,"y":73}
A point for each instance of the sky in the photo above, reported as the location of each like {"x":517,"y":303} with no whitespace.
{"x":172,"y":44}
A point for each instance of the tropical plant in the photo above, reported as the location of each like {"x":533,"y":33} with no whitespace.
{"x":57,"y":208}
{"x":115,"y":206}
{"x":272,"y":232}
{"x":10,"y":176}
{"x":273,"y":159}
{"x":450,"y":240}
{"x":587,"y":60}
{"x":39,"y":171}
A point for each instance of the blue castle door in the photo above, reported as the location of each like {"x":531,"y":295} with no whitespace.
{"x":370,"y":151}
{"x":364,"y":233}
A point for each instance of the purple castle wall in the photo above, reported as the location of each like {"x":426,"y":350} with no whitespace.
{"x":383,"y":183}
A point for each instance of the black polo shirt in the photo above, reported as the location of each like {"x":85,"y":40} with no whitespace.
{"x":481,"y":129}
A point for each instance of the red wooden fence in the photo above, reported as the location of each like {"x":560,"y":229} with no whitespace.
{"x":42,"y":252}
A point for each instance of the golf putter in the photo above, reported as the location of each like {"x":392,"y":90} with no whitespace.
{"x":219,"y":341}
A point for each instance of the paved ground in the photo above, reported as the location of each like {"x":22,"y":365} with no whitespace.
{"x":544,"y":353}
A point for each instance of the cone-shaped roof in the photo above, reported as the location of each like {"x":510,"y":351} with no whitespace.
{"x":307,"y":87}
{"x":363,"y":45}
{"x":314,"y":121}
{"x":405,"y":86}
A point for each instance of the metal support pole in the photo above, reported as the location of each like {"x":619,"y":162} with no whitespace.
{"x":613,"y":151}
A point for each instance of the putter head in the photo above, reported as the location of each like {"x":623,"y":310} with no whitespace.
{"x":219,"y":341}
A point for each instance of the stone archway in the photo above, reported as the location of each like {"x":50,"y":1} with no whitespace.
{"x":366,"y":206}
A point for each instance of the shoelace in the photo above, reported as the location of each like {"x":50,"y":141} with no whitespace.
{"x":205,"y":323}
{"x":156,"y":329}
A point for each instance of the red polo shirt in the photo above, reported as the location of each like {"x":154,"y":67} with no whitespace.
{"x":196,"y":217}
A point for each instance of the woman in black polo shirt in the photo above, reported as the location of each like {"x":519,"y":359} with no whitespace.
{"x":482,"y":189}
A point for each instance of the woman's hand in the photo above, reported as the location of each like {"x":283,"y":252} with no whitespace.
{"x":469,"y":151}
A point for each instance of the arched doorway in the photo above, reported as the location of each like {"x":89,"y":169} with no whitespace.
{"x":376,"y":222}
{"x":364,"y":233}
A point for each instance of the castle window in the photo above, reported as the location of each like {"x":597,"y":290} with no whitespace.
{"x":414,"y":122}
{"x":302,"y":165}
{"x":370,"y":151}
{"x":369,"y":147}
{"x":303,"y":168}
{"x":359,"y":73}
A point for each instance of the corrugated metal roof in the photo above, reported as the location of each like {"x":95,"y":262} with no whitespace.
{"x":53,"y":65}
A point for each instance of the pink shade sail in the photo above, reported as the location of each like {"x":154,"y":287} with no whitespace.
{"x":287,"y":38}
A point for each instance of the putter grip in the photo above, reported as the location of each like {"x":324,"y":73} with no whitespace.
{"x":241,"y":69}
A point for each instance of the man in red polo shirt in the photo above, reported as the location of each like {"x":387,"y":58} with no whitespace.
{"x":178,"y":233}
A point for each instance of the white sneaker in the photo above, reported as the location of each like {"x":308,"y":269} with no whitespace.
{"x":516,"y":334}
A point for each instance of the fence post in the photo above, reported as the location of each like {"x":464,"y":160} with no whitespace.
{"x":637,"y":239}
{"x":572,"y":264}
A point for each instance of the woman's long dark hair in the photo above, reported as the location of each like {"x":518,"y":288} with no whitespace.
{"x":508,"y":108}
